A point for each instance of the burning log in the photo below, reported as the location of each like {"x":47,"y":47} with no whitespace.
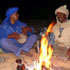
{"x":44,"y":67}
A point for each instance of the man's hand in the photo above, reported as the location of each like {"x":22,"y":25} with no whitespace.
{"x":25,"y":30}
{"x":14,"y":35}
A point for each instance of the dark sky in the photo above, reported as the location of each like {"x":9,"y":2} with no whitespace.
{"x":33,"y":9}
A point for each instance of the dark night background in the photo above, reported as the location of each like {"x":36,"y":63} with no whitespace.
{"x":33,"y":9}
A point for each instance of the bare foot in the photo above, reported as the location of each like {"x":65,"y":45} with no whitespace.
{"x":26,"y":53}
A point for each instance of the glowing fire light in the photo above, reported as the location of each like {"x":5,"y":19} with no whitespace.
{"x":45,"y":51}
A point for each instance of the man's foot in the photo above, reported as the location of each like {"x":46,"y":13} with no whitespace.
{"x":27,"y":54}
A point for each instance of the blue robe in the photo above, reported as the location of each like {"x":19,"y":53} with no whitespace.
{"x":11,"y":44}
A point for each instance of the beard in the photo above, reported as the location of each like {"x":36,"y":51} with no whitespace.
{"x":60,"y":19}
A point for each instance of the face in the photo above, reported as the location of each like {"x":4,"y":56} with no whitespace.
{"x":61,"y":17}
{"x":15,"y":16}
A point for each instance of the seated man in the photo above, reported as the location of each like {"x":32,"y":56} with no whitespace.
{"x":15,"y":36}
{"x":61,"y":29}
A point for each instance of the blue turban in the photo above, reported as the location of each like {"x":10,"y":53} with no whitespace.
{"x":9,"y":12}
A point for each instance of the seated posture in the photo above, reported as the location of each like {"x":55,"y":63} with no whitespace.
{"x":62,"y":27}
{"x":16,"y":36}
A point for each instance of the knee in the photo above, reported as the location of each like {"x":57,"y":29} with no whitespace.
{"x":2,"y":40}
{"x":34,"y":36}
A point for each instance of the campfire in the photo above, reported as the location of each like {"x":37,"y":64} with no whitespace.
{"x":46,"y":51}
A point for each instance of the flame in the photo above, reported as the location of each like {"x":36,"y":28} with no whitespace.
{"x":45,"y":51}
{"x":50,"y":28}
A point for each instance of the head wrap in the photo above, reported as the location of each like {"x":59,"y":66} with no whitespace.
{"x":63,"y":9}
{"x":9,"y":12}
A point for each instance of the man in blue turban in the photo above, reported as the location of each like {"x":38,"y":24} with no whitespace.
{"x":13,"y":36}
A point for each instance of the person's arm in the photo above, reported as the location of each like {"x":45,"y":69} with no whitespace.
{"x":25,"y":28}
{"x":29,"y":30}
{"x":32,"y":32}
{"x":20,"y":25}
{"x":14,"y":35}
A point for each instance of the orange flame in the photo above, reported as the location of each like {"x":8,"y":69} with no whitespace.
{"x":45,"y":51}
{"x":50,"y":28}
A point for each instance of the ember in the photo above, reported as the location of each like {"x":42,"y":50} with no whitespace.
{"x":44,"y":68}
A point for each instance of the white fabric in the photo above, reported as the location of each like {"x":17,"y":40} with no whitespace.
{"x":62,"y":9}
{"x":64,"y":40}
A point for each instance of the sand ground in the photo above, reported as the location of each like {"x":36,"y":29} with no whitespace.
{"x":59,"y":61}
